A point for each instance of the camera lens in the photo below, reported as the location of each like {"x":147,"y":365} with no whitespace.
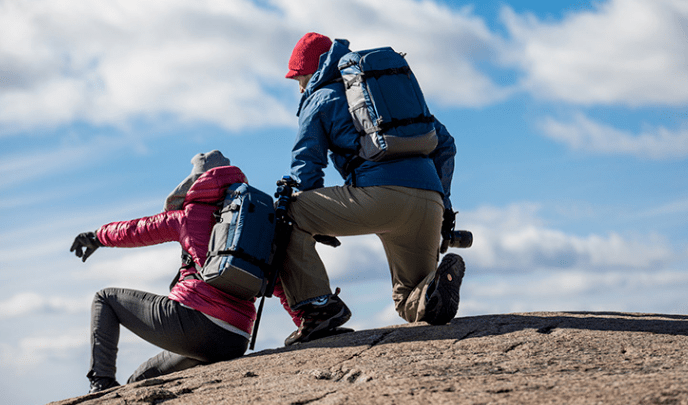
{"x":461,"y":239}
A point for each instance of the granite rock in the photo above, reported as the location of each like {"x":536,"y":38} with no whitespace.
{"x":522,"y":358}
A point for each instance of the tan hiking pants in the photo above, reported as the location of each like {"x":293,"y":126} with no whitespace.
{"x":406,"y":220}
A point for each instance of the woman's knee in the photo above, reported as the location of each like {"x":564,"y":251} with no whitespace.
{"x":105,"y":293}
{"x":100,"y":298}
{"x":103,"y":298}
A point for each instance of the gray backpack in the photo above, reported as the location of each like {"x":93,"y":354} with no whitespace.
{"x":387,"y":105}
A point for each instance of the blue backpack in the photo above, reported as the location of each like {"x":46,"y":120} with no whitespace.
{"x":387,"y":105}
{"x":241,"y":243}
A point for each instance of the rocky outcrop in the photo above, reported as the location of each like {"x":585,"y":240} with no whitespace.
{"x":528,"y":358}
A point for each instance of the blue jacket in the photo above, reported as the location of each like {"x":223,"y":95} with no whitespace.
{"x":326,"y":125}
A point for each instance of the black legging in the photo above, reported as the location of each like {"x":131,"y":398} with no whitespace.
{"x":188,"y":337}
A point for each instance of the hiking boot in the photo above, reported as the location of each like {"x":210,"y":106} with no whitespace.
{"x":322,"y":320}
{"x":291,"y":339}
{"x":443,"y":301}
{"x":101,"y":384}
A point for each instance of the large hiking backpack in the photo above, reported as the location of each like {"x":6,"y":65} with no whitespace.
{"x":241,"y":243}
{"x":387,"y":105}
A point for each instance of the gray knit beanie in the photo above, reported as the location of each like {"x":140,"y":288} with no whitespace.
{"x":201,"y":164}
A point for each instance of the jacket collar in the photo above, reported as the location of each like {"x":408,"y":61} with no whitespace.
{"x":327,"y":69}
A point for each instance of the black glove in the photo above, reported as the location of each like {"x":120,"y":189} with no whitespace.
{"x":87,"y":240}
{"x":327,"y":240}
{"x":447,"y":232}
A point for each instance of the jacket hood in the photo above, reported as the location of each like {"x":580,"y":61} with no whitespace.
{"x":212,"y":185}
{"x":327,"y":69}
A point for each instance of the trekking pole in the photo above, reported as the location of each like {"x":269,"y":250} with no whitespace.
{"x":283,"y":227}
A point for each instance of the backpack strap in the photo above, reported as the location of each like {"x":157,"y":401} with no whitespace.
{"x":386,"y":126}
{"x":375,"y":74}
{"x":241,"y":254}
{"x":187,"y":262}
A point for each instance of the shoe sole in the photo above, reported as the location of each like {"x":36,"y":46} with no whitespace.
{"x":446,"y":296}
{"x":338,"y":320}
{"x":329,"y":332}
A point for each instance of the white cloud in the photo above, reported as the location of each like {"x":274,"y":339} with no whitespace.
{"x":515,"y":239}
{"x":107,"y":62}
{"x":358,"y":258}
{"x":679,"y":207}
{"x":35,"y":350}
{"x":64,"y":225}
{"x":629,"y":52}
{"x":138,"y":268}
{"x":30,"y":303}
{"x":575,"y":290}
{"x":112,"y":62}
{"x":582,"y":133}
{"x":444,"y":45}
{"x":388,"y":316}
{"x":20,"y":168}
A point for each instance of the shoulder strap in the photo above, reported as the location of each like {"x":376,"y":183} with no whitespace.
{"x":335,"y":80}
{"x":187,"y":262}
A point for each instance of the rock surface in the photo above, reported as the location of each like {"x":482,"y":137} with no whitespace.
{"x":528,"y":358}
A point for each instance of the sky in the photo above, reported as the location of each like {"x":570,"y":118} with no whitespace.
{"x":570,"y":120}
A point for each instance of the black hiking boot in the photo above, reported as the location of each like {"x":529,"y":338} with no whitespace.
{"x":323,"y":320}
{"x":443,"y":302}
{"x":292,"y":339}
{"x":101,"y":384}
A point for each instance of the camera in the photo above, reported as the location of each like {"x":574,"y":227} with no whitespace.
{"x":457,"y":239}
{"x":461,"y":239}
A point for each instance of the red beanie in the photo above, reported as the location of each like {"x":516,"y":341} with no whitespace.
{"x":306,"y":54}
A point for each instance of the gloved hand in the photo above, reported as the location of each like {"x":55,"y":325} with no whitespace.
{"x":327,"y":240}
{"x":447,"y":232}
{"x":87,"y":240}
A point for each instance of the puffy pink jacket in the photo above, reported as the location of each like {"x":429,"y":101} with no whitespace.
{"x":191,"y":227}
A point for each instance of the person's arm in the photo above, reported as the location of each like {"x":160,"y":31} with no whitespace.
{"x":443,"y":158}
{"x":146,"y":231}
{"x":160,"y":228}
{"x":309,"y":154}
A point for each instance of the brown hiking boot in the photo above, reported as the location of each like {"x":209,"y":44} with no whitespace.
{"x":320,"y":320}
{"x":443,"y":303}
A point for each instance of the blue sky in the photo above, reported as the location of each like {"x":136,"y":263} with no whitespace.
{"x":570,"y":118}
